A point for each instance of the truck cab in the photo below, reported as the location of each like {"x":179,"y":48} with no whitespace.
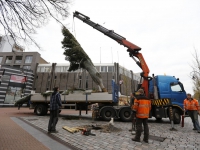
{"x":168,"y":87}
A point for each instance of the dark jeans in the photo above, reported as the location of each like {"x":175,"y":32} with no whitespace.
{"x":194,"y":116}
{"x":53,"y":120}
{"x":133,"y":121}
{"x":139,"y":122}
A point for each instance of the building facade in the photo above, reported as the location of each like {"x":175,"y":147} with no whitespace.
{"x":49,"y":75}
{"x":21,"y":66}
{"x":14,"y":83}
{"x":25,"y":60}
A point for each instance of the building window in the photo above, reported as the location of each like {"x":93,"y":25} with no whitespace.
{"x":38,"y":69}
{"x":27,"y":67}
{"x":110,"y":69}
{"x":58,"y":69}
{"x":8,"y":59}
{"x":44,"y":69}
{"x":103,"y":68}
{"x":121,"y":70}
{"x":28,"y":59}
{"x":18,"y":59}
{"x":16,"y":66}
{"x":65,"y":69}
{"x":61,"y":69}
{"x":1,"y":58}
{"x":13,"y":94}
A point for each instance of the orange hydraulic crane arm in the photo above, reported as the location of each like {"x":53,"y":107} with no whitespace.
{"x":132,"y":48}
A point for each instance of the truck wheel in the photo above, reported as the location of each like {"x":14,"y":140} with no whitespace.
{"x":125,"y":114}
{"x":107,"y":113}
{"x":45,"y":113}
{"x":41,"y":110}
{"x":177,"y":116}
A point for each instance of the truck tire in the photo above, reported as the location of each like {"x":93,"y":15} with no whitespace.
{"x":177,"y":116}
{"x":107,"y":113}
{"x":41,"y":110}
{"x":125,"y":114}
{"x":45,"y":113}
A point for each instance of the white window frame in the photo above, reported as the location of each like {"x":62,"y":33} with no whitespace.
{"x":28,"y":59}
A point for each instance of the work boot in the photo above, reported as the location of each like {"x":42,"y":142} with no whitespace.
{"x":136,"y":140}
{"x":146,"y":141}
{"x":54,"y":131}
{"x":49,"y":131}
{"x":194,"y":129}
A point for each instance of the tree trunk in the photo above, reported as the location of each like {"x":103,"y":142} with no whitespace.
{"x":95,"y":75}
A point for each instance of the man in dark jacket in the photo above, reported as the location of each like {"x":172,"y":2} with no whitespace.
{"x":55,"y":104}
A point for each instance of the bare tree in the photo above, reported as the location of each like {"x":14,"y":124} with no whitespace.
{"x":195,"y":75}
{"x":21,"y":18}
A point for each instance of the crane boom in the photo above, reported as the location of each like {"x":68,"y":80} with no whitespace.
{"x":132,"y":48}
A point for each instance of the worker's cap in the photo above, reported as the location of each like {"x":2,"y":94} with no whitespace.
{"x":189,"y":94}
{"x":141,"y":91}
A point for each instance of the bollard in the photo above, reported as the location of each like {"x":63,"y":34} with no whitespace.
{"x":171,"y":119}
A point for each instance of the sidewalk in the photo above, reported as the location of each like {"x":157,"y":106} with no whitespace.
{"x":17,"y":135}
{"x":13,"y":136}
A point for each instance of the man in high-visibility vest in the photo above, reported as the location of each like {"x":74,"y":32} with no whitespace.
{"x":142,"y":107}
{"x":192,"y":107}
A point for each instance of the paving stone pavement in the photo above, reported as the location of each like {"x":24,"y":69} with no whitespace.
{"x":183,"y":138}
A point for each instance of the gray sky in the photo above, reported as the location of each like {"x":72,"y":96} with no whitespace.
{"x":166,"y":30}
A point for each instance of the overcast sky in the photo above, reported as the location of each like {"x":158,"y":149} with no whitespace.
{"x":168,"y":31}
